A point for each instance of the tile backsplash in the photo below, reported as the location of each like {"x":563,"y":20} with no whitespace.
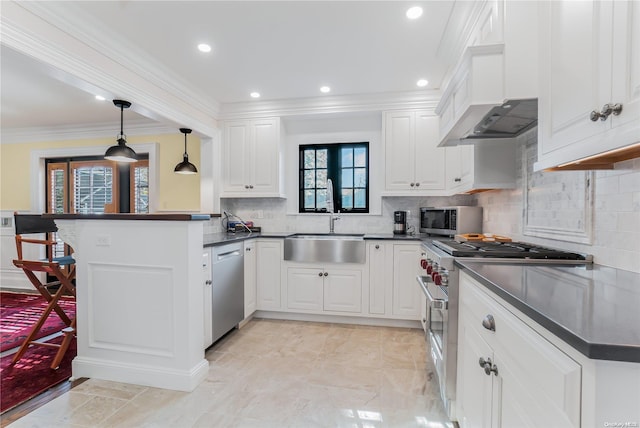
{"x":615,"y":226}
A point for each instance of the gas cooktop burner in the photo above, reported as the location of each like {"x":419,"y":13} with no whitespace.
{"x":517,"y":250}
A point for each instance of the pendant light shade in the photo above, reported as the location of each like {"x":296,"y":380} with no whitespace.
{"x":121,"y":152}
{"x":185,"y":167}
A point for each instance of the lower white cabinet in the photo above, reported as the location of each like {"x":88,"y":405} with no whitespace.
{"x":406,"y":292}
{"x":268,"y":259}
{"x":207,"y":297}
{"x":250,"y":277}
{"x":324,"y":288}
{"x":510,"y":376}
{"x":380,"y":275}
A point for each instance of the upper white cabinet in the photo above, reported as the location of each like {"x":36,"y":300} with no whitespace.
{"x":485,"y":166}
{"x":590,"y":58}
{"x":251,"y":154}
{"x":414,"y":165}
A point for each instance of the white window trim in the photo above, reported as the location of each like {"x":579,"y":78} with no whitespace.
{"x":39,"y":170}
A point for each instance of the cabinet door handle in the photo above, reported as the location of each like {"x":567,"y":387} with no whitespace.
{"x":320,"y":274}
{"x":488,"y":367}
{"x":208,"y":282}
{"x":607,"y":110}
{"x":247,"y":249}
{"x":377,"y":247}
{"x":250,"y":186}
{"x":417,"y":184}
{"x":412,"y":184}
{"x":246,"y":186}
{"x":489,"y":323}
{"x":326,"y":274}
{"x":457,"y":179}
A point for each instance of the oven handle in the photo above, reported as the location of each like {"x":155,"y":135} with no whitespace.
{"x":441,"y":304}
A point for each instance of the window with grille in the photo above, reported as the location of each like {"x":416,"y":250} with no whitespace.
{"x":347,"y":165}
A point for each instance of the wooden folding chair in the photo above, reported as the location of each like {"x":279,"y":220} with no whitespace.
{"x":62,"y":268}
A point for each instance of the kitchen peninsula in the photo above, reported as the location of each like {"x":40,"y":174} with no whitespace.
{"x":139,"y":297}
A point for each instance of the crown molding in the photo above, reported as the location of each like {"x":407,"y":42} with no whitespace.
{"x":77,"y":132}
{"x":425,"y":100}
{"x":80,"y":58}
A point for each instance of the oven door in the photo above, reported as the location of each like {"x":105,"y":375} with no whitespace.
{"x":437,"y":312}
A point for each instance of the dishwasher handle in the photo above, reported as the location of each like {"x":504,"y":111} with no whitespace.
{"x":227,"y":255}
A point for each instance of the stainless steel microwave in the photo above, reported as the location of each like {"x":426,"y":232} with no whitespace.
{"x":450,"y":221}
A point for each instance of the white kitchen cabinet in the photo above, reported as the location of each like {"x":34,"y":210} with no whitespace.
{"x":414,"y":165}
{"x":207,"y":297}
{"x":268,"y":259}
{"x":251,"y":154}
{"x":329,"y":288}
{"x":250,"y":277}
{"x":379,"y":276}
{"x":528,"y":381}
{"x":590,"y":56}
{"x":484,"y":166}
{"x":406,"y":292}
{"x":304,"y":288}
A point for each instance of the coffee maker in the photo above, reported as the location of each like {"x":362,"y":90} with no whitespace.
{"x":400,"y":222}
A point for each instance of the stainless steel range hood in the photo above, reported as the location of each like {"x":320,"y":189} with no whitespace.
{"x":508,"y":120}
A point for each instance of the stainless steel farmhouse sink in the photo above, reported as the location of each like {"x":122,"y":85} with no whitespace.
{"x":324,"y":248}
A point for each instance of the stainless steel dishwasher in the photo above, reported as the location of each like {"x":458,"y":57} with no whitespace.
{"x":228,"y":288}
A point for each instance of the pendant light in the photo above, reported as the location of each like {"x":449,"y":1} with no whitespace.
{"x":185,"y":167}
{"x":121,"y":152}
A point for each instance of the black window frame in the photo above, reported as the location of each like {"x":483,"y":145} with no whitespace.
{"x":334,"y":172}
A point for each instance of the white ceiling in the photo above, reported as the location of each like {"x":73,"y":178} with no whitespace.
{"x":284,"y":50}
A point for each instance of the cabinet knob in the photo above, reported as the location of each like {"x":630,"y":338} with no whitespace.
{"x":326,"y":274}
{"x":489,"y":323}
{"x":208,"y":282}
{"x":417,"y":184}
{"x":320,"y":274}
{"x":457,"y":179}
{"x":251,"y":186}
{"x":607,"y":110}
{"x":246,"y":186}
{"x":247,"y":249}
{"x":377,"y":247}
{"x":412,"y":184}
{"x":488,"y":367}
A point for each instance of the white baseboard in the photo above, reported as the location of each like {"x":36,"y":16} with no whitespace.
{"x":157,"y":377}
{"x":382,"y":322}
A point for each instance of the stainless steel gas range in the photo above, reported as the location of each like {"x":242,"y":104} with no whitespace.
{"x":438,"y":279}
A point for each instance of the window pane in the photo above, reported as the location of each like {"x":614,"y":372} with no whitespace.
{"x":346,"y":157}
{"x":57,"y":191}
{"x":360,"y":155}
{"x":93,"y":189}
{"x":321,"y":199}
{"x":360,"y":177}
{"x":321,"y":158}
{"x":347,"y":177}
{"x":322,"y":178}
{"x":309,"y":199}
{"x":309,"y":159}
{"x":360,"y":196}
{"x":309,"y":179}
{"x":347,"y":198}
{"x":141,"y":189}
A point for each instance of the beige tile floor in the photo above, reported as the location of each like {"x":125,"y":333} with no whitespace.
{"x":275,"y":374}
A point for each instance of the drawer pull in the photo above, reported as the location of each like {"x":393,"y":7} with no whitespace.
{"x":488,"y":367}
{"x":489,"y":323}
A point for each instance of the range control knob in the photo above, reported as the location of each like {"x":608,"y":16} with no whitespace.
{"x":423,"y":263}
{"x":437,"y":279}
{"x":429,"y":269}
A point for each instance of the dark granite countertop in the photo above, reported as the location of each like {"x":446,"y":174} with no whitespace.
{"x":126,"y":216}
{"x":213,"y":239}
{"x":595,"y":309}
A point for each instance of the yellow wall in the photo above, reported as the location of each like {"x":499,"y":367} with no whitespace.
{"x":176,"y":192}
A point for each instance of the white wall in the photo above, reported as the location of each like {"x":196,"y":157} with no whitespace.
{"x":616,"y":213}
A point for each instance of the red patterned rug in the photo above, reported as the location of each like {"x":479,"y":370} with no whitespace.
{"x":20,"y":311}
{"x":32,"y":374}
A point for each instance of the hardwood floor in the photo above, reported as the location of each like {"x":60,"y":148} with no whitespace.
{"x":29,"y":406}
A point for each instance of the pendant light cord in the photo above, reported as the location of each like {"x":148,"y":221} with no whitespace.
{"x":185,"y":145}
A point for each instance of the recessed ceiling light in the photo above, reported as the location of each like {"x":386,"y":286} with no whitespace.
{"x":414,"y":12}
{"x":203,"y":47}
{"x":255,"y":94}
{"x":325,"y":89}
{"x":422,"y":83}
{"x":100,"y":98}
